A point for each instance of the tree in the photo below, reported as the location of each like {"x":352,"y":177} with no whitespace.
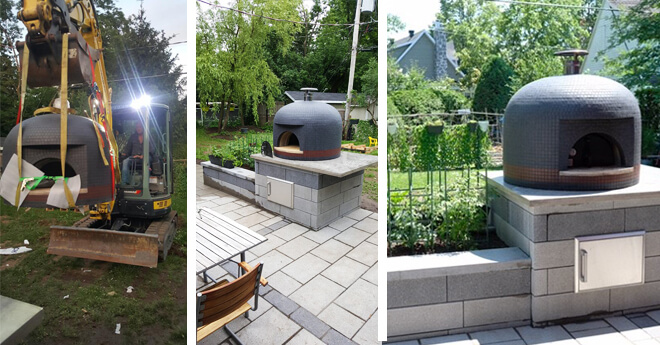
{"x":493,"y":90}
{"x":638,"y":68}
{"x":528,"y":35}
{"x":231,"y":54}
{"x":8,"y":65}
{"x":471,"y":25}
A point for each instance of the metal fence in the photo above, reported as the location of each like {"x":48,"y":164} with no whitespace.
{"x":438,"y":197}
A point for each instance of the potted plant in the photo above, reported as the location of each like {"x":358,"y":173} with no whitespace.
{"x":473,"y":125}
{"x":435,"y":127}
{"x":216,"y":156}
{"x":228,"y":161}
{"x":392,"y":127}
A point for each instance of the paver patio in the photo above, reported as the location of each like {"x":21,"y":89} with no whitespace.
{"x":322,"y":284}
{"x":632,"y":329}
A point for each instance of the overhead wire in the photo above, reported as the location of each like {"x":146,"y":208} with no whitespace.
{"x":280,"y":19}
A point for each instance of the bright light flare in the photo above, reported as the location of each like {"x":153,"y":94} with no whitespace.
{"x":143,"y":101}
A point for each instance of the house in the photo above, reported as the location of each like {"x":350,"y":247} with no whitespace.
{"x":599,"y":41}
{"x":428,"y":50}
{"x":337,"y":100}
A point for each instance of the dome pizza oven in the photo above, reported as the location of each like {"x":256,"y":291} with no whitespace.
{"x":307,"y":130}
{"x":42,"y":149}
{"x":572,"y":132}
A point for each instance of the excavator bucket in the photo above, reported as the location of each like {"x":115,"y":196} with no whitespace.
{"x":107,"y":245}
{"x":45,"y":67}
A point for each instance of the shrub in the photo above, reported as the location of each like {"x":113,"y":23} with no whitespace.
{"x":493,"y":90}
{"x":364,"y":130}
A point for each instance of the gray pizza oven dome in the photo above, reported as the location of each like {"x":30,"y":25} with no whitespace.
{"x":307,"y":130}
{"x":572,"y":132}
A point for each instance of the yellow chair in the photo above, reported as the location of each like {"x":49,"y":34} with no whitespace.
{"x":373,"y":141}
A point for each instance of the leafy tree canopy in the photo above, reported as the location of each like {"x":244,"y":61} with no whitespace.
{"x":493,"y":90}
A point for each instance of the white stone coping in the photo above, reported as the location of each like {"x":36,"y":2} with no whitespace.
{"x":237,"y":171}
{"x":346,"y":164}
{"x":449,"y":264}
{"x":540,"y":201}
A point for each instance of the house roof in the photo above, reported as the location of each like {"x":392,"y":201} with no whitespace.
{"x":408,"y":42}
{"x":624,"y":3}
{"x":325,"y":97}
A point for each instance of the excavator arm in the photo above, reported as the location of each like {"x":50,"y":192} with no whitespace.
{"x":47,"y":23}
{"x":64,"y":48}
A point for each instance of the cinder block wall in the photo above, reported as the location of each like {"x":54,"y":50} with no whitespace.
{"x":450,"y":293}
{"x":318,"y":199}
{"x":549,"y":241}
{"x":237,"y":181}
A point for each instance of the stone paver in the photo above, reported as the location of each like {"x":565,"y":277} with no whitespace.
{"x":345,"y":271}
{"x":360,"y":299}
{"x":305,"y":268}
{"x":352,"y":236}
{"x":317,"y":294}
{"x":368,"y":334}
{"x":261,"y":331}
{"x":322,"y":284}
{"x":633,"y":329}
{"x":341,"y":320}
{"x":305,"y":338}
{"x":297,"y":247}
{"x":283,"y":283}
{"x":332,"y":250}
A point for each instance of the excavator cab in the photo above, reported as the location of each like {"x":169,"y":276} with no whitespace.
{"x":146,"y":180}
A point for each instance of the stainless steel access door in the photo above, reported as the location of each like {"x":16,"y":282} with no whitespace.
{"x":280,"y":191}
{"x":606,"y":261}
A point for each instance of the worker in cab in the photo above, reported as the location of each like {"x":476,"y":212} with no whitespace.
{"x":133,"y":153}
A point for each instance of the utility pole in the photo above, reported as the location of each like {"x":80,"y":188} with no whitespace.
{"x":351,"y":72}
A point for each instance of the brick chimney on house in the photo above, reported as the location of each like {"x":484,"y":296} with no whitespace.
{"x":440,"y":50}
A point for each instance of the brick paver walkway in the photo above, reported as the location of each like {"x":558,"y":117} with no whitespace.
{"x":632,"y":329}
{"x":322,"y":284}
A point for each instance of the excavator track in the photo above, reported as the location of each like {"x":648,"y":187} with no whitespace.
{"x":165,"y":229}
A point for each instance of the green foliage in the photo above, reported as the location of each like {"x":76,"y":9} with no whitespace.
{"x":419,"y":101}
{"x":638,"y":67}
{"x":457,"y":146}
{"x":529,"y":35}
{"x":493,"y":89}
{"x":364,"y":130}
{"x":231,"y":61}
{"x":471,"y":25}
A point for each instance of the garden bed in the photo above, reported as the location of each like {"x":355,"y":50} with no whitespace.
{"x":480,"y":241}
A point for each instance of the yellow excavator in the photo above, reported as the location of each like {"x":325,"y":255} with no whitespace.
{"x":70,"y":159}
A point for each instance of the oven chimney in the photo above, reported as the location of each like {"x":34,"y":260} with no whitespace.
{"x":308,"y":93}
{"x":572,"y":66}
{"x":411,"y":33}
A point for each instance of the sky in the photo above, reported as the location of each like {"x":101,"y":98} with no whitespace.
{"x":416,"y":14}
{"x":169,"y":16}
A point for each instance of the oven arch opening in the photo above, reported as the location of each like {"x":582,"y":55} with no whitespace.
{"x":595,"y":150}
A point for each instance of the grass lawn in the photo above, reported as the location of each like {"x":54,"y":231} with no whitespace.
{"x":421,"y":179}
{"x":155,"y":312}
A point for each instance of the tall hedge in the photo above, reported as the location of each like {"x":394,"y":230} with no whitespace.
{"x":493,"y":89}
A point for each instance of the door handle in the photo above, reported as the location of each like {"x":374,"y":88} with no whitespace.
{"x":583,"y":265}
{"x":268,"y":189}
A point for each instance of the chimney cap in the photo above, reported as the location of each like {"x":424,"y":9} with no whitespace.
{"x":572,"y":52}
{"x":411,"y":33}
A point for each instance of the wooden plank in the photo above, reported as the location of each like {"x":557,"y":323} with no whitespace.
{"x":206,"y":330}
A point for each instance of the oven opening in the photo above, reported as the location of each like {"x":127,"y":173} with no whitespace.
{"x":595,"y":151}
{"x":288,"y":142}
{"x":52,"y":167}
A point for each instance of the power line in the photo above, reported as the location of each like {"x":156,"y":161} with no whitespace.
{"x":559,"y":5}
{"x":282,"y":20}
{"x":149,"y":76}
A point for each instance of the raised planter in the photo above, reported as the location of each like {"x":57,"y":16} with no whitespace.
{"x":438,"y":294}
{"x":237,"y":181}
